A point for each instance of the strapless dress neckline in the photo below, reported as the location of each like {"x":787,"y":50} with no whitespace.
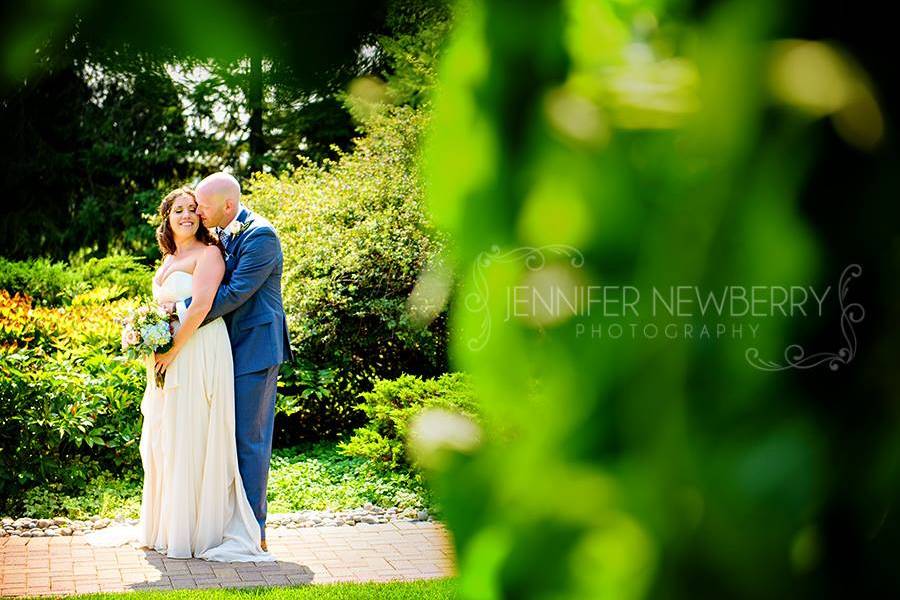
{"x":166,"y":278}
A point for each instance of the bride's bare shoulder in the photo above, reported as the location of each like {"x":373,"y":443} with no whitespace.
{"x":211,"y":250}
{"x":211,"y":255}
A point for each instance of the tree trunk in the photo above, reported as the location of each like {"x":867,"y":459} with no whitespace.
{"x":255,"y":98}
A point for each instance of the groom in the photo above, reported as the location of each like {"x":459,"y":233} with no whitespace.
{"x":249,"y":299}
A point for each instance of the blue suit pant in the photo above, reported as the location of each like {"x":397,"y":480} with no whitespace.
{"x":254,"y":422}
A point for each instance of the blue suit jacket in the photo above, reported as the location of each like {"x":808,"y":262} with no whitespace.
{"x":249,"y":297}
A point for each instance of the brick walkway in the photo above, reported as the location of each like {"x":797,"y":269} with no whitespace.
{"x":383,"y":552}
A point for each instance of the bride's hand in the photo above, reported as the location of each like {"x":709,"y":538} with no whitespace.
{"x":164,"y":360}
{"x":169,"y":307}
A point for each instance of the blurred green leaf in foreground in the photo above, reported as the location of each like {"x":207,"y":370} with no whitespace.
{"x":642,"y":144}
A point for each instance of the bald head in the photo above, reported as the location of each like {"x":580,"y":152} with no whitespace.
{"x":218,"y":198}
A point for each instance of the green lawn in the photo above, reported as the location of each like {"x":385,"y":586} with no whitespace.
{"x":412,"y":590}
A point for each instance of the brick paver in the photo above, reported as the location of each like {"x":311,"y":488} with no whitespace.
{"x":395,"y":551}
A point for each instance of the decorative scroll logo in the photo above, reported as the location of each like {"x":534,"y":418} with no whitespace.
{"x":795,"y":356}
{"x":534,"y":260}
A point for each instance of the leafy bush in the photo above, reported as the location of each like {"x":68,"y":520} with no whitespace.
{"x":106,"y":495}
{"x":393,"y":403}
{"x":355,"y":238}
{"x":69,"y":403}
{"x":318,"y":477}
{"x":57,"y":284}
{"x":307,"y":395}
{"x":122,"y":271}
{"x":312,"y":476}
{"x":47,"y":282}
{"x":70,"y":422}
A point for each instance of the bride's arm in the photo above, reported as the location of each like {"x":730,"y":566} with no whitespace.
{"x":207,"y":276}
{"x":259,"y":256}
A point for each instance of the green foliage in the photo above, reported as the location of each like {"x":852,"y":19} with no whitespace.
{"x":418,"y":32}
{"x":355,"y":238}
{"x":313,"y":476}
{"x":311,"y":399}
{"x":123,"y":271}
{"x":92,"y":281}
{"x":390,"y":407}
{"x":49,"y":283}
{"x":70,"y":412}
{"x":102,"y":119}
{"x":642,"y":139}
{"x":106,"y":495}
{"x":90,"y":150}
{"x":318,"y":477}
{"x":69,"y":403}
{"x":408,"y":56}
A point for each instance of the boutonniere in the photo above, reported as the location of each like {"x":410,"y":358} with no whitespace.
{"x":236,"y":228}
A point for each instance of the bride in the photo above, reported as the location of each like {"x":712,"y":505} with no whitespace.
{"x":194,"y":503}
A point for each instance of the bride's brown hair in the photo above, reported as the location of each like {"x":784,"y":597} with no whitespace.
{"x":164,"y":235}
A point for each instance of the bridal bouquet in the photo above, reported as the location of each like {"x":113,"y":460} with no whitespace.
{"x":145,"y":330}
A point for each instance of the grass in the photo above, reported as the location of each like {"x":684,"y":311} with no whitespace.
{"x":398,"y":590}
{"x":314,"y":476}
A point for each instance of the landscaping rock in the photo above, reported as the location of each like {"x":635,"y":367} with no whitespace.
{"x":368,"y":514}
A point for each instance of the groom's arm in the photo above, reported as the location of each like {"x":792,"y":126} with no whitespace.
{"x":258,"y":258}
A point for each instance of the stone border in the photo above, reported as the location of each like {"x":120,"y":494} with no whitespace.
{"x":368,"y":514}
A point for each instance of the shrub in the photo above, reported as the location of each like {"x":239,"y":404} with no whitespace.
{"x":308,"y":395}
{"x":318,"y":476}
{"x":69,"y":403}
{"x":46,"y":282}
{"x":58,"y":284}
{"x":106,"y":495}
{"x":121,"y":271}
{"x":355,"y":238}
{"x":311,"y":476}
{"x":393,"y":403}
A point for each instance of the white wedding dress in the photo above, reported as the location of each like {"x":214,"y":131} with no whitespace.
{"x":193,"y":504}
